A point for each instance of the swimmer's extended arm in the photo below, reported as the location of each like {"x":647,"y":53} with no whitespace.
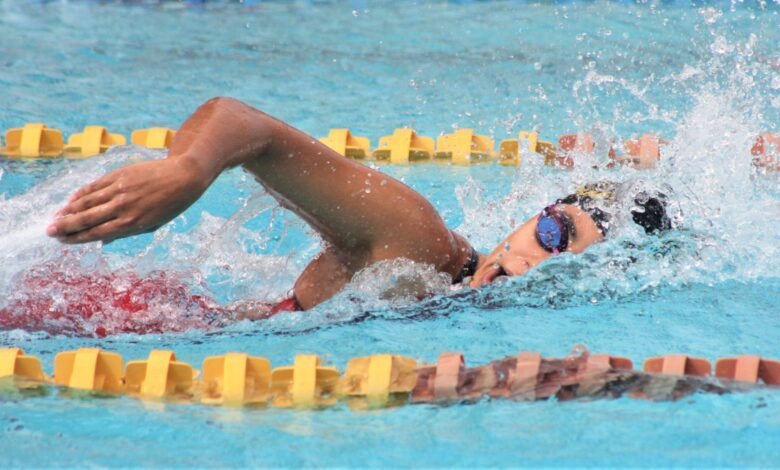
{"x":364,"y":215}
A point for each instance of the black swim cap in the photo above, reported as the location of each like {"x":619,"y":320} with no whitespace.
{"x":650,"y":212}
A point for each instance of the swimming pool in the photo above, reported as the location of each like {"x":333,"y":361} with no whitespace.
{"x":702,"y":75}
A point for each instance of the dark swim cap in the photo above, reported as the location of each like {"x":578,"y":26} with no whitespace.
{"x":650,"y":212}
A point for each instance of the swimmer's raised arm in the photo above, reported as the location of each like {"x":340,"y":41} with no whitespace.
{"x":364,"y":215}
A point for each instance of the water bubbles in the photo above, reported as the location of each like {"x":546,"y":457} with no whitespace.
{"x":393,"y":283}
{"x":710,"y":14}
{"x":775,"y":85}
{"x":355,"y":13}
{"x":581,"y":36}
{"x":721,"y":46}
{"x":537,"y":66}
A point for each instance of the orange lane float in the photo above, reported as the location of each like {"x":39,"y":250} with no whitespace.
{"x":766,"y":151}
{"x":382,"y":380}
{"x":749,"y":369}
{"x":639,"y":153}
{"x":450,"y":380}
{"x":573,"y":144}
{"x":518,"y":376}
{"x":678,"y":364}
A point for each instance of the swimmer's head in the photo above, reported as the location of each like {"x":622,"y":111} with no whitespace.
{"x":557,"y":228}
{"x":572,"y":224}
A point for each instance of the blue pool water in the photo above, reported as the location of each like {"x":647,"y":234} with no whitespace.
{"x":704,"y":75}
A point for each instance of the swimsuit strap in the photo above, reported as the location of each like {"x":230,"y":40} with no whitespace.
{"x":469,"y":268}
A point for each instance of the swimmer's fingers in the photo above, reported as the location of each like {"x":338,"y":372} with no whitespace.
{"x":89,"y":200}
{"x":106,"y":232}
{"x":65,"y":228}
{"x":93,"y":187}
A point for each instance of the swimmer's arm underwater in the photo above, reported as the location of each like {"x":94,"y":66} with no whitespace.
{"x":363,"y":215}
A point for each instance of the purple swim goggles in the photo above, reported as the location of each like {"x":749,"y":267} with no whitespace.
{"x":553,"y":227}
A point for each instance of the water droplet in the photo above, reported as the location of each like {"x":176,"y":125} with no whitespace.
{"x":710,"y":15}
{"x":721,"y":46}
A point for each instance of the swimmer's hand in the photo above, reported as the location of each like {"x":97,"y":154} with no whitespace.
{"x":135,"y":199}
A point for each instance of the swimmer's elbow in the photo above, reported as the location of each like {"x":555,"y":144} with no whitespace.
{"x":226,"y":107}
{"x":223,"y":102}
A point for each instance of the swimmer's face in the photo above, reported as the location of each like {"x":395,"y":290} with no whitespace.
{"x":521,"y":251}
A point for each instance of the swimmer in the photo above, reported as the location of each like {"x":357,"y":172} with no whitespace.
{"x":363,"y":216}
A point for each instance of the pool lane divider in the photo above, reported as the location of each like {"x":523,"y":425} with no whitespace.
{"x":376,"y":381}
{"x":404,"y":145}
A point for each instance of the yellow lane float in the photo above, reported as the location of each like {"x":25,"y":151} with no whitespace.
{"x":14,"y":363}
{"x":153,"y":138}
{"x":159,"y":376}
{"x":304,"y":384}
{"x":92,"y":141}
{"x":236,"y":379}
{"x":89,"y":369}
{"x":378,"y":380}
{"x":511,"y":150}
{"x":34,"y":140}
{"x":404,"y":146}
{"x":464,"y":146}
{"x":343,"y":142}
